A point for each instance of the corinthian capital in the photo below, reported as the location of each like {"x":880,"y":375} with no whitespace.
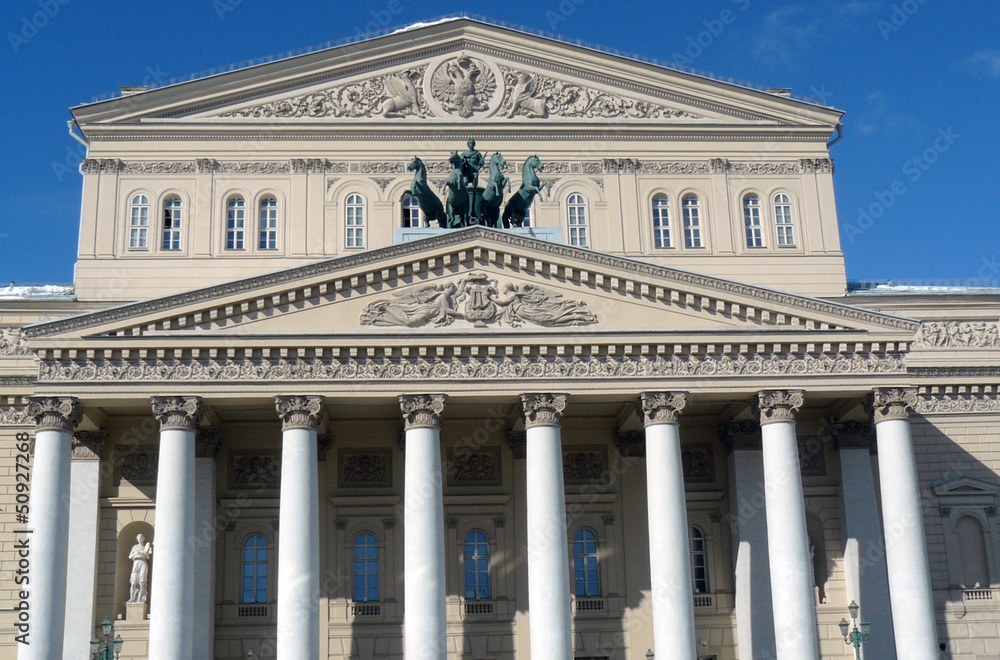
{"x":299,"y":412}
{"x":893,"y":403}
{"x":54,"y":413}
{"x":778,"y":405}
{"x":422,"y":410}
{"x":177,"y":412}
{"x":662,"y":407}
{"x":543,"y":409}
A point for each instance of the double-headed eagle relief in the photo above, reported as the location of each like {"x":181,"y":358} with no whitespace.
{"x":481,"y":301}
{"x":467,"y":203}
{"x":466,"y":87}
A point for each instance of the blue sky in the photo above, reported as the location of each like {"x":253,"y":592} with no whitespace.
{"x":918,"y":170}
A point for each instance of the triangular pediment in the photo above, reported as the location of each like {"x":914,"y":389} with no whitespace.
{"x":966,"y":487}
{"x":477,"y":281}
{"x":464,"y":71}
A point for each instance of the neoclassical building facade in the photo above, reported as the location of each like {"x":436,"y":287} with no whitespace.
{"x":353,"y":415}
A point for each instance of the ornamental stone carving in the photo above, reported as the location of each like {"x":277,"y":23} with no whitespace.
{"x":950,"y":404}
{"x":54,"y":413}
{"x":463,"y":85}
{"x":585,"y":467}
{"x":481,"y":301}
{"x":958,"y":334}
{"x":299,"y":412}
{"x":14,"y":416}
{"x":474,"y":467}
{"x":138,"y":465}
{"x":13,"y":342}
{"x":208,"y":442}
{"x":543,"y":409}
{"x":518,"y":441}
{"x":535,"y":96}
{"x":893,"y":403}
{"x":698,"y":465}
{"x":257,"y":470}
{"x":464,"y":368}
{"x":743,"y":435}
{"x":779,"y":405}
{"x":631,"y":444}
{"x":661,"y":407}
{"x":812,"y":457}
{"x":368,"y":468}
{"x":853,"y":435}
{"x":87,"y":444}
{"x":178,"y":412}
{"x":422,"y":410}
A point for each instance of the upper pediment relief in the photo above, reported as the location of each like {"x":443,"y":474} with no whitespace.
{"x":466,"y":86}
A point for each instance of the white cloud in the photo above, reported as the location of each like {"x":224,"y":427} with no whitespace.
{"x":986,"y":62}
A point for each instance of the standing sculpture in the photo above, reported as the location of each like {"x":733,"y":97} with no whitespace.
{"x":430,"y":205}
{"x":472,"y":162}
{"x":513,"y":213}
{"x":140,"y":555}
{"x":457,"y":206}
{"x":489,"y":208}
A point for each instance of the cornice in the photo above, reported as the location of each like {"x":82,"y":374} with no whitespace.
{"x":466,"y":367}
{"x":491,"y":239}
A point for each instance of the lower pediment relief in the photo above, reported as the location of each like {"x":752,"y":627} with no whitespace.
{"x":487,"y":368}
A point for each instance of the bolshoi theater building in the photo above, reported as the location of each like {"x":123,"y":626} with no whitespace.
{"x":466,"y":343}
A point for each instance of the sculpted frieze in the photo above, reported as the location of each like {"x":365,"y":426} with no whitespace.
{"x":13,"y":342}
{"x":481,"y":301}
{"x":15,"y":416}
{"x":535,"y":96}
{"x":467,"y":368}
{"x":947,"y":403}
{"x":958,"y":334}
{"x":463,"y":85}
{"x":147,"y":167}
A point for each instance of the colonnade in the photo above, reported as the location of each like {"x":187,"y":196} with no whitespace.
{"x":172,"y":626}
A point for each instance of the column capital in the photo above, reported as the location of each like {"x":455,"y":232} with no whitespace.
{"x":779,"y":405}
{"x":299,"y":412}
{"x":893,"y":403}
{"x":422,"y":410}
{"x":54,"y":413}
{"x":87,"y":444}
{"x":177,"y":412}
{"x":661,"y":407}
{"x":853,"y":435}
{"x":208,"y":442}
{"x":743,"y":435}
{"x":543,"y":409}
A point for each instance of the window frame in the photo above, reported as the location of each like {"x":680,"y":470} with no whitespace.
{"x":368,"y":562}
{"x":703,"y":552}
{"x":255,"y":563}
{"x":267,"y":227}
{"x":587,"y":556}
{"x":660,"y":219}
{"x":410,"y":211}
{"x":171,"y":235}
{"x":138,"y":234}
{"x":577,"y":223}
{"x":354,"y":221}
{"x":479,"y":572}
{"x":789,"y":215}
{"x":694,"y":232}
{"x":235,"y":233}
{"x":752,"y":222}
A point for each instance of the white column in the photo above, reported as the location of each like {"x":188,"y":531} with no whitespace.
{"x":669,"y":549}
{"x":84,"y":510}
{"x":423,"y":530}
{"x":48,"y":541}
{"x":864,"y":559}
{"x":792,"y":597}
{"x":206,"y":446}
{"x":171,"y":589}
{"x":298,"y":521}
{"x":910,"y":594}
{"x":755,"y":628}
{"x":548,"y":561}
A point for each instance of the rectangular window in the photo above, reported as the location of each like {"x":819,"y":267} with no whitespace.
{"x":172,"y":225}
{"x":235,"y":228}
{"x":139,"y":228}
{"x":692,"y":223}
{"x":268,"y":224}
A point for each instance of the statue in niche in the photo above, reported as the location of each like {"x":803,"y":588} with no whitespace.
{"x":140,"y":555}
{"x":513,"y":213}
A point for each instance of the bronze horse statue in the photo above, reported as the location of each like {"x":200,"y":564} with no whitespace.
{"x":513,"y":213}
{"x":429,"y":203}
{"x":457,"y":209}
{"x":489,"y":209}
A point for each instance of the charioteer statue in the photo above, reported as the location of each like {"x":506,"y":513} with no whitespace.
{"x":469,"y":204}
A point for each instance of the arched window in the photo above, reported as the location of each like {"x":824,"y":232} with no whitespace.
{"x":138,"y":223}
{"x":268,"y":228}
{"x":172,"y":223}
{"x":477,"y":566}
{"x":692,"y":221}
{"x":235,"y":223}
{"x":783,"y":219}
{"x":751,"y":221}
{"x":577,"y":209}
{"x":972,"y":545}
{"x":411,"y":211}
{"x":254,"y":570}
{"x":699,"y":562}
{"x":661,"y":221}
{"x":585,"y":573}
{"x":365,"y":568}
{"x":355,"y":221}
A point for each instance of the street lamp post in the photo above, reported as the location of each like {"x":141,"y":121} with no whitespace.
{"x":105,"y":652}
{"x":857,"y":635}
